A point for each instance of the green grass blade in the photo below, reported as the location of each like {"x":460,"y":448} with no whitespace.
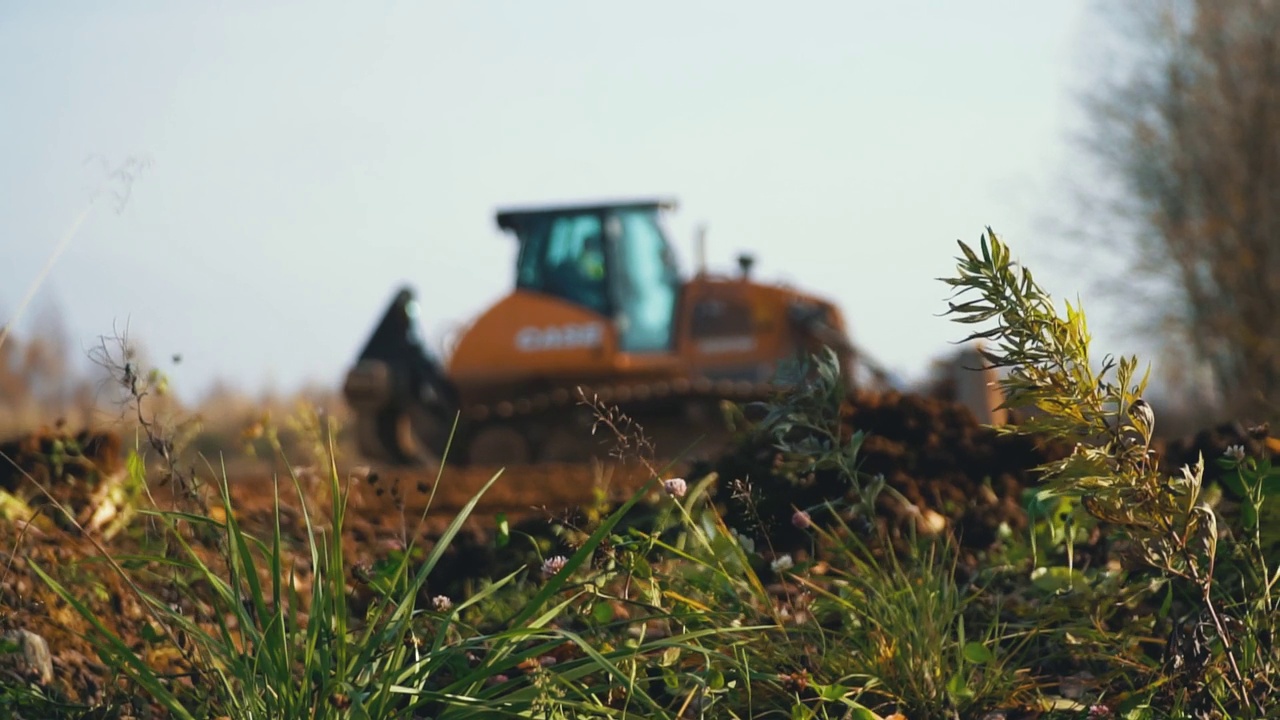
{"x":116,"y":648}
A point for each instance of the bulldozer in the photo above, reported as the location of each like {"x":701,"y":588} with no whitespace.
{"x":599,"y":314}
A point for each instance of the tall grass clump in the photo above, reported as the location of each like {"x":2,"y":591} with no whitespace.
{"x":258,"y":635}
{"x":264,"y":639}
{"x":238,"y":625}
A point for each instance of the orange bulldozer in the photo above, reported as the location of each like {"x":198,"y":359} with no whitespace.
{"x":599,"y":311}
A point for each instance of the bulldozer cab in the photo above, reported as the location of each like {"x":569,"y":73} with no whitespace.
{"x":613,"y":259}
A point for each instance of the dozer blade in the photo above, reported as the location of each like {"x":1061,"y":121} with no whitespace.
{"x":403,"y":402}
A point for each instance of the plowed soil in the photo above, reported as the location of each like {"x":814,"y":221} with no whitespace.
{"x":965,"y":477}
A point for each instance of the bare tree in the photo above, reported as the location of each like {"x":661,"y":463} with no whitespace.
{"x":1186,"y":135}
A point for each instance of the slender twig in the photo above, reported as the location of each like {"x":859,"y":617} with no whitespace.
{"x":18,"y":543}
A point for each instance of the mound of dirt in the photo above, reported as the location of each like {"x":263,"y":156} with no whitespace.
{"x":934,"y":452}
{"x":1210,"y":444}
{"x":78,"y":471}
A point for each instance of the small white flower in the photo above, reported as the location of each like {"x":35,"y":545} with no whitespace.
{"x":553,"y":565}
{"x":442,"y":603}
{"x":676,"y":487}
{"x":1235,"y":452}
{"x":782,"y":562}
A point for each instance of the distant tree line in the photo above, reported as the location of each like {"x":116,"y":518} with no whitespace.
{"x":1184,"y":131}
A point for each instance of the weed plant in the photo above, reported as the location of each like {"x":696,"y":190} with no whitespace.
{"x":1213,"y":569}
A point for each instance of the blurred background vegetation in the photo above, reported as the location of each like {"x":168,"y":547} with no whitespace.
{"x":1180,"y":221}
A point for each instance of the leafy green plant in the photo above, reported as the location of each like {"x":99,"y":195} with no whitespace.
{"x":805,"y":426}
{"x":1052,"y":381}
{"x":1250,"y":569}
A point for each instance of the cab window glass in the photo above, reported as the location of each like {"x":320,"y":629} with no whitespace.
{"x":646,"y":284}
{"x":564,"y":256}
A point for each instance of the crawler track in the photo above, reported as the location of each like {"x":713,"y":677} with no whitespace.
{"x":555,"y":425}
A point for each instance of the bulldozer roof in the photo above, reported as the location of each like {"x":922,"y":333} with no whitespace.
{"x":509,"y":217}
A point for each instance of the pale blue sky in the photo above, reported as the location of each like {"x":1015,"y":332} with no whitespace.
{"x":310,"y":157}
